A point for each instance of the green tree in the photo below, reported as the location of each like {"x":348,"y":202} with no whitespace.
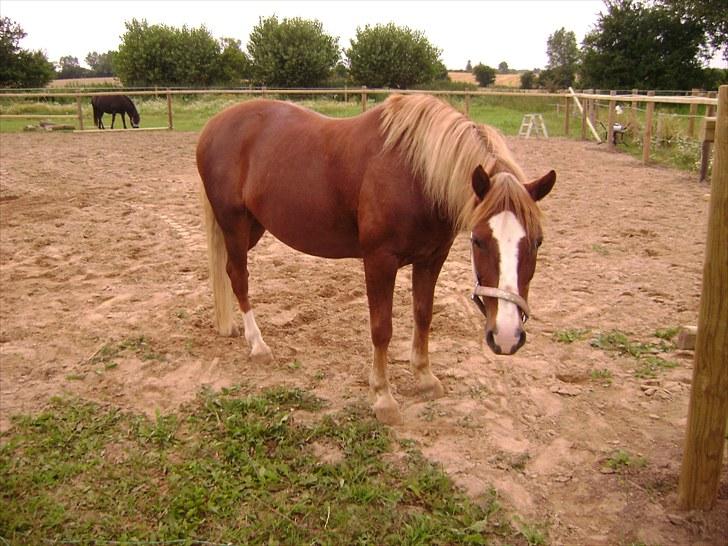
{"x":712,"y":15}
{"x":484,"y":74}
{"x":20,"y":67}
{"x":68,"y":67}
{"x":469,"y":66}
{"x":234,"y":65}
{"x":292,"y":52}
{"x":163,"y":55}
{"x":503,"y":67}
{"x":393,"y":56}
{"x":102,"y":64}
{"x":641,"y":45}
{"x":563,"y":59}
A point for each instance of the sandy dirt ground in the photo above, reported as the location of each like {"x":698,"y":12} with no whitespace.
{"x":102,"y":247}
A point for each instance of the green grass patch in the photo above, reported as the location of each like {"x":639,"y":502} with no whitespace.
{"x":622,"y":460}
{"x":651,"y":365}
{"x":602,"y":375}
{"x":645,"y":353}
{"x":141,"y":346}
{"x":570,"y":335}
{"x":232,"y":467}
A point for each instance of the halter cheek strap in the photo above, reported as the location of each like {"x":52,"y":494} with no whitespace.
{"x":492,"y":292}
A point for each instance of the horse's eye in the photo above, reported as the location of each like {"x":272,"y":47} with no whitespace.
{"x":476,"y":242}
{"x":538,"y":242}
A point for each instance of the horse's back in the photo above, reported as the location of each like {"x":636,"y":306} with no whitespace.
{"x":299,"y":173}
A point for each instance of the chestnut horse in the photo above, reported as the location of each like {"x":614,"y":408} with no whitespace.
{"x":392,"y":186}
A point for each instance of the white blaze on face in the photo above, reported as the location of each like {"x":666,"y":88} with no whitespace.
{"x":507,"y":232}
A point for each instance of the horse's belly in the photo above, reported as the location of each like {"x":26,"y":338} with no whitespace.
{"x":317,"y":232}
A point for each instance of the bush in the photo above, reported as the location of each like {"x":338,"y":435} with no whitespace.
{"x":528,"y":79}
{"x":292,"y":53}
{"x":162,"y":55}
{"x":484,"y":74}
{"x":392,"y":56}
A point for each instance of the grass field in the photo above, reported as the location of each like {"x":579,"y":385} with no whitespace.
{"x":232,"y":467}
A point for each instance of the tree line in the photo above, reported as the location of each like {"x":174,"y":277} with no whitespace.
{"x":661,"y":44}
{"x":655,"y":44}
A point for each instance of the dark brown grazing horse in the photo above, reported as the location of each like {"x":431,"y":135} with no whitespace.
{"x":114,"y":104}
{"x":392,"y":186}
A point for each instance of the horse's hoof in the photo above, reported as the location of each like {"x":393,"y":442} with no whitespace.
{"x":431,"y":388}
{"x":388,"y":413}
{"x":261,"y":354}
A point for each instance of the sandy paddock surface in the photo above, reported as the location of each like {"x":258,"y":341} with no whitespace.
{"x":102,"y":243}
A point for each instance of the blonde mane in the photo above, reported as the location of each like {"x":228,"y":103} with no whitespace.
{"x":443,"y":148}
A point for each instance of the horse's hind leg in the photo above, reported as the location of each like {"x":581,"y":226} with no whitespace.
{"x":424,"y":277}
{"x":381,"y":271}
{"x":113,"y":119}
{"x":241,"y":234}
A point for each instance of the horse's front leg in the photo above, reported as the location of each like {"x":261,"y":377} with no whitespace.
{"x":381,"y":271}
{"x":113,"y":119}
{"x":123,"y":119}
{"x":424,"y":277}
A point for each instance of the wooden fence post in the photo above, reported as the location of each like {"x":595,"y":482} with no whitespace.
{"x":585,"y":116}
{"x":647,"y":133}
{"x":363,"y":98}
{"x":708,"y":409}
{"x":633,"y":110}
{"x":170,"y":126}
{"x":79,"y":110}
{"x":693,"y":113}
{"x":610,"y":121}
{"x":567,"y":114}
{"x":706,"y":145}
{"x":594,"y":112}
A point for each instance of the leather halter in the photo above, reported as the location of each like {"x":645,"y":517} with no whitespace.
{"x":492,"y":292}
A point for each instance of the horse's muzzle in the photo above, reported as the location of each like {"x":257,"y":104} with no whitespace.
{"x":497,"y":349}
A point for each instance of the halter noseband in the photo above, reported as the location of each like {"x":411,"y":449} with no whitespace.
{"x":492,"y":292}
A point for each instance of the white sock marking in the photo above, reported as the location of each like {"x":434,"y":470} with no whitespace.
{"x":253,"y":335}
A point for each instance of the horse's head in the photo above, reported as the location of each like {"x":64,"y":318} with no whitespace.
{"x":505,"y":236}
{"x":135,"y":118}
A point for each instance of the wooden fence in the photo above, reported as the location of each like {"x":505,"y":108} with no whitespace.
{"x":586,"y":102}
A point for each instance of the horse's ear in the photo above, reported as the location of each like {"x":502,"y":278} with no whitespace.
{"x":538,"y":189}
{"x":481,"y":182}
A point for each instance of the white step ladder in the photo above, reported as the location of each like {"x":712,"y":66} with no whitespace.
{"x":532,"y":124}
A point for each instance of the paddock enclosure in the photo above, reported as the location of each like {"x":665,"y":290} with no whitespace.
{"x":102,"y":246}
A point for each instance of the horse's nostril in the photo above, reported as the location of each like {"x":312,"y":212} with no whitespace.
{"x":521,"y":340}
{"x":490,"y":340}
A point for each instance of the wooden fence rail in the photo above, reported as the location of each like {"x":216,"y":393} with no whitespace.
{"x":588,"y":110}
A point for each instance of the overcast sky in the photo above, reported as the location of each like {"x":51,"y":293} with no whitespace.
{"x":480,"y":31}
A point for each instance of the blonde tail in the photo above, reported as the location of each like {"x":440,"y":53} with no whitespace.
{"x":222,"y":291}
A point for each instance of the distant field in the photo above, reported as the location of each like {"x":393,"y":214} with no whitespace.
{"x":501,"y":80}
{"x":85,"y":82}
